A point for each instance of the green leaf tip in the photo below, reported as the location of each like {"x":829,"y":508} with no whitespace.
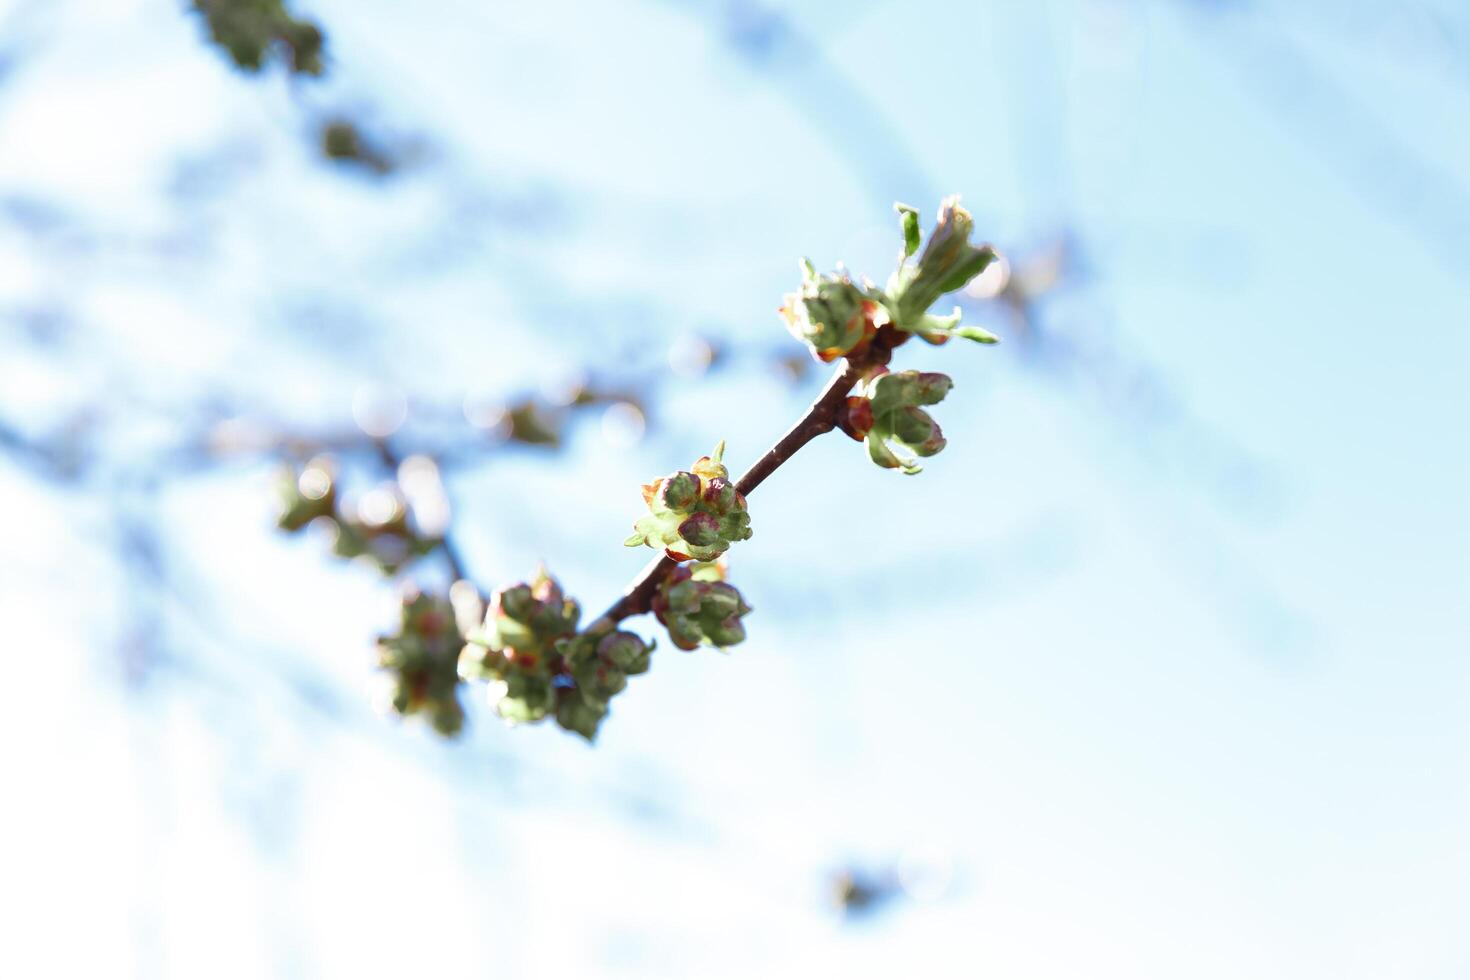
{"x":909,"y":217}
{"x":977,"y":334}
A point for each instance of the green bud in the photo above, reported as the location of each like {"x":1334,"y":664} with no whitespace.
{"x":627,"y":651}
{"x":678,"y":491}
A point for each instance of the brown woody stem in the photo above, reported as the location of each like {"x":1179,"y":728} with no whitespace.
{"x":820,"y":417}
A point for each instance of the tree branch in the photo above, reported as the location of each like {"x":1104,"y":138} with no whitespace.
{"x":820,"y":417}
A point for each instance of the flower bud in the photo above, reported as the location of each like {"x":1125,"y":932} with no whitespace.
{"x":679,"y":491}
{"x":720,"y":495}
{"x":702,"y":529}
{"x":710,"y":516}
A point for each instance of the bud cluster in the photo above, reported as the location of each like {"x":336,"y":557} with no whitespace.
{"x":698,"y":607}
{"x":421,"y":659}
{"x":836,"y":317}
{"x":516,"y":647}
{"x":378,"y":527}
{"x":693,"y":514}
{"x":886,"y":413}
{"x":949,"y":261}
{"x":527,"y":643}
{"x":539,"y":665}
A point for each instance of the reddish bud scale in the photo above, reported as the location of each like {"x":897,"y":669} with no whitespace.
{"x":856,"y":418}
{"x":890,"y":337}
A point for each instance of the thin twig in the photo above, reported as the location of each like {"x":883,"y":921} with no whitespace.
{"x":445,"y":543}
{"x":820,"y":417}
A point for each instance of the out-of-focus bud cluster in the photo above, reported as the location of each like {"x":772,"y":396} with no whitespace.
{"x":377,"y":526}
{"x":698,"y":606}
{"x":831,"y":314}
{"x":886,"y":413}
{"x":857,"y":893}
{"x":542,"y":421}
{"x":836,"y":317}
{"x":538,"y":665}
{"x":421,"y":658}
{"x":254,"y":30}
{"x":693,"y":514}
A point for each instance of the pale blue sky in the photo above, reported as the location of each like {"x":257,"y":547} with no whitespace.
{"x":1159,"y":670}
